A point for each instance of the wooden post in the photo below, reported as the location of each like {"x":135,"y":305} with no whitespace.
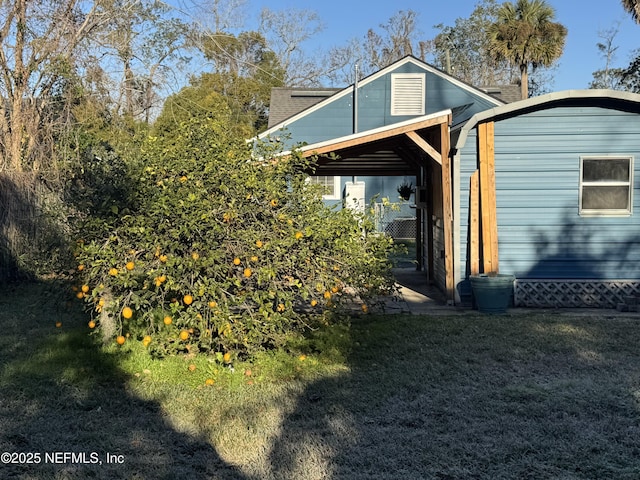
{"x":486,"y":167}
{"x":474,"y":224}
{"x":447,"y":211}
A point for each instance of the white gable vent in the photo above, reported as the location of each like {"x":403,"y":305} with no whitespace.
{"x":407,"y":93}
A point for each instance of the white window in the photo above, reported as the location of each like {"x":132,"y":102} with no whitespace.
{"x":407,"y":94}
{"x":330,"y":184}
{"x":606,"y":185}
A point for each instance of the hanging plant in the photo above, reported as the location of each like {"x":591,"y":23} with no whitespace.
{"x":405,"y":190}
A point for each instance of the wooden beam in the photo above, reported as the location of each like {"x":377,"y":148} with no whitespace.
{"x":425,"y":146}
{"x":447,"y":212}
{"x":474,"y":223}
{"x":372,"y":136}
{"x":486,"y":167}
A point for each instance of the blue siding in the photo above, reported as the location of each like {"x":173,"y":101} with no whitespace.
{"x":541,"y":234}
{"x":334,"y":119}
{"x":376,"y":188}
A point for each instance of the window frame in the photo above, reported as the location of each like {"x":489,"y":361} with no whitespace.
{"x":336,"y":194}
{"x":398,"y":77}
{"x":629,"y":184}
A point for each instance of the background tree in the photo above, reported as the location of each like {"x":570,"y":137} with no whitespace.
{"x":38,"y":42}
{"x":633,"y":7}
{"x":526,"y":35}
{"x":609,"y":76}
{"x":285,"y":33}
{"x":149,"y":44}
{"x":397,"y":39}
{"x":463,"y":50}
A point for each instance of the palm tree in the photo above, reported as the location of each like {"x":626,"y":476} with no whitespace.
{"x":633,"y":7}
{"x":525,"y":34}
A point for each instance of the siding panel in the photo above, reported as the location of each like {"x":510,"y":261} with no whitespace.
{"x":540,"y":232}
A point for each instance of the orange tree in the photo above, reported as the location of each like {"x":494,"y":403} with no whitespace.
{"x":228,"y":249}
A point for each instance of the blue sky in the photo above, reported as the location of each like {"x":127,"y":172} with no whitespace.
{"x":347,"y":19}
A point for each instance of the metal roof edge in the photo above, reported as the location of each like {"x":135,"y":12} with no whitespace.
{"x":540,"y":101}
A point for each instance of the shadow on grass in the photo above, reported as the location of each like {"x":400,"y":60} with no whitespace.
{"x":425,"y":397}
{"x":473,"y":398}
{"x":60,"y":394}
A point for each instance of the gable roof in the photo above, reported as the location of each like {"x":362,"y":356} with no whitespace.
{"x":608,"y":98}
{"x":371,"y":78}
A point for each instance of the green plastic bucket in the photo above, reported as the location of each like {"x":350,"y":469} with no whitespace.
{"x":492,"y":293}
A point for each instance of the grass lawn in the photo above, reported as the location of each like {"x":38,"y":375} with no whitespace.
{"x":396,"y":397}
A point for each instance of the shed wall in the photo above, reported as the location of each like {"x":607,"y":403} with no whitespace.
{"x":541,"y":235}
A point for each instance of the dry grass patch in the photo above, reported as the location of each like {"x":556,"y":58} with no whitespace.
{"x":535,"y":396}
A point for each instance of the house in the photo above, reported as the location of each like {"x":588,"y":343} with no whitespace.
{"x":387,"y":129}
{"x":547,"y":189}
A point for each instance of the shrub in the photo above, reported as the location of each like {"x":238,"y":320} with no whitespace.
{"x":228,"y":250}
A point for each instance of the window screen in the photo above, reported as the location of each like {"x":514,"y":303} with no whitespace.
{"x":606,"y":185}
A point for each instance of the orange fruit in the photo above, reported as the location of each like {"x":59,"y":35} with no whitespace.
{"x":259,"y":243}
{"x":364,"y":307}
{"x":146,"y":340}
{"x":58,"y":324}
{"x":209,"y":382}
{"x":80,"y":267}
{"x":187,"y":299}
{"x":195,"y":255}
{"x":280,"y":307}
{"x":299,"y":235}
{"x":254,"y":259}
{"x":163,"y":258}
{"x":80,"y":295}
{"x":274,"y":202}
{"x":192,"y":367}
{"x":183,"y":178}
{"x":327,"y":294}
{"x":127,"y":312}
{"x":113,"y":271}
{"x":236,"y":261}
{"x":167,"y":320}
{"x":130,"y":266}
{"x":85,"y":288}
{"x":302,"y":358}
{"x":184,"y":335}
{"x":92,"y":324}
{"x":120,"y":340}
{"x":213,"y":304}
{"x":226,"y":358}
{"x":101,"y":302}
{"x":314,"y":302}
{"x":247,"y":272}
{"x":335,"y":289}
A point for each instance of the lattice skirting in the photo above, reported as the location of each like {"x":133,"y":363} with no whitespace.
{"x":573,"y":293}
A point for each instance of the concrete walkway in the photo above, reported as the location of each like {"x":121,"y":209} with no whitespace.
{"x":418,"y":298}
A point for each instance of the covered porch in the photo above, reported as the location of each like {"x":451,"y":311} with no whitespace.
{"x":416,"y":148}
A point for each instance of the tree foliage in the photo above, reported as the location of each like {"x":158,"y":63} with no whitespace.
{"x":526,"y":35}
{"x":633,"y":7}
{"x":234,"y":253}
{"x":463,"y":49}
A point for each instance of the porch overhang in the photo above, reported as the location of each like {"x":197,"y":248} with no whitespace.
{"x":398,"y":149}
{"x":404,"y":148}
